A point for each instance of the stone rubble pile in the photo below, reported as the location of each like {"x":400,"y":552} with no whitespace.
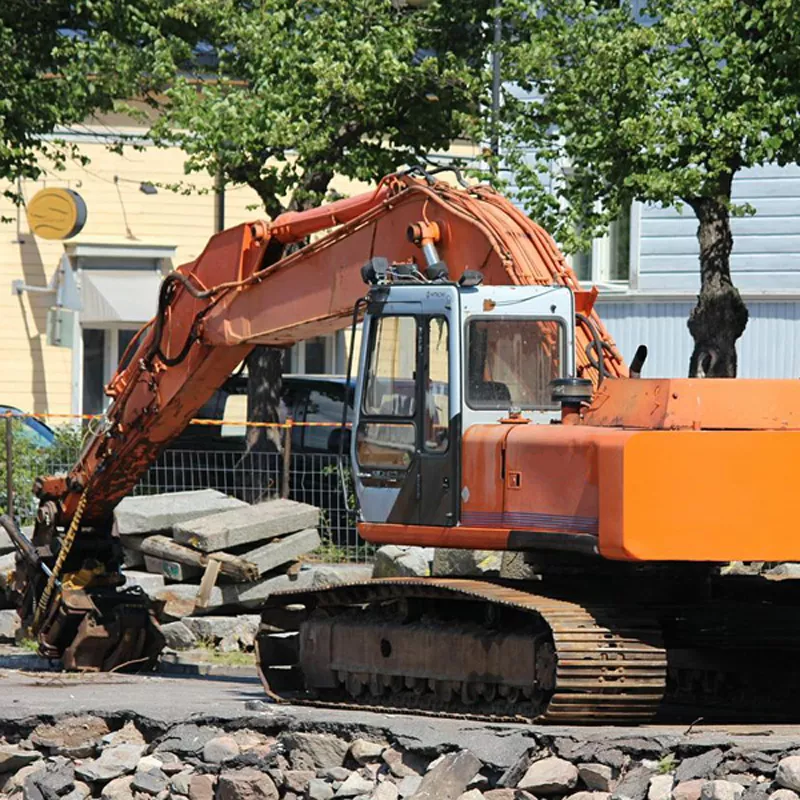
{"x":88,"y":757}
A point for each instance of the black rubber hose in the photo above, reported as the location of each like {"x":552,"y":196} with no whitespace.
{"x":597,"y":344}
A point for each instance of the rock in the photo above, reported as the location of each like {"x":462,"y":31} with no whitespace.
{"x":500,"y":794}
{"x":513,"y":775}
{"x":246,"y":784}
{"x":788,"y":773}
{"x":721,"y":790}
{"x":477,"y":794}
{"x":757,"y":791}
{"x":463,"y":563}
{"x":787,"y":571}
{"x":597,"y":777}
{"x":634,"y":785}
{"x":112,"y":763}
{"x":363,"y":751}
{"x":9,"y":624}
{"x":220,"y":749}
{"x":783,"y":794}
{"x":688,"y":790}
{"x":403,"y":765}
{"x":201,"y":787}
{"x":700,"y":766}
{"x":355,"y":785}
{"x":314,"y":750}
{"x":335,"y":774}
{"x":660,"y":787}
{"x":151,"y":782}
{"x":178,"y":636}
{"x":55,"y":780}
{"x":15,"y":781}
{"x":385,"y":791}
{"x":159,"y":512}
{"x":187,"y":739}
{"x":246,"y":524}
{"x":748,"y":760}
{"x":396,"y":561}
{"x":317,"y":789}
{"x":127,"y":734}
{"x":169,"y":763}
{"x":589,"y":796}
{"x":549,"y":776}
{"x":449,"y":778}
{"x":247,"y":739}
{"x":13,"y":758}
{"x":80,"y":791}
{"x":118,"y":789}
{"x":296,"y":780}
{"x":408,"y":785}
{"x":325,"y":576}
{"x":179,"y":784}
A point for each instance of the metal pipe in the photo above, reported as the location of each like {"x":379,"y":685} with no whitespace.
{"x":9,"y":466}
{"x":496,"y":82}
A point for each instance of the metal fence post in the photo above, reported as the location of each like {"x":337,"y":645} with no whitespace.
{"x":287,"y":457}
{"x":9,"y":466}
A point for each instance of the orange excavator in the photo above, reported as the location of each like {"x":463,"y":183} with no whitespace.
{"x":492,"y":411}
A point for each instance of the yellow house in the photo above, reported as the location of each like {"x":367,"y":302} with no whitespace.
{"x":135,"y":231}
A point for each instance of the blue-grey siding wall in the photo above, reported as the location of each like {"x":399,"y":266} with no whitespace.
{"x":766,"y":246}
{"x":769,"y":348}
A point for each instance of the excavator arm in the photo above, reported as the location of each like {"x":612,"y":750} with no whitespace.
{"x":243,"y":291}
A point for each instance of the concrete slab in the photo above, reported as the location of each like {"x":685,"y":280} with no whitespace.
{"x":245,"y":525}
{"x":159,"y":512}
{"x":151,"y":584}
{"x":290,"y":548}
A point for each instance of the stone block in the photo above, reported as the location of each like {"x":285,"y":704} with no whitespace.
{"x":464,"y":563}
{"x":159,"y":512}
{"x":9,"y":624}
{"x":239,"y":526}
{"x":285,"y":550}
{"x":150,"y":584}
{"x":178,"y":636}
{"x":399,"y":561}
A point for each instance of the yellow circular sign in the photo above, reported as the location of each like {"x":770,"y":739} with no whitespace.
{"x":56,"y":213}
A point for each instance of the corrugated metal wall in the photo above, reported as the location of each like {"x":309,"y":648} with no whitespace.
{"x":769,"y":348}
{"x":766,"y":246}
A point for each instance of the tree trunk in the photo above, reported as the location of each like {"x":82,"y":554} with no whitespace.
{"x":264,"y":371}
{"x":720,"y":316}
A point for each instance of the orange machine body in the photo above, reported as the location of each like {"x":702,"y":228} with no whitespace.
{"x":637,"y":477}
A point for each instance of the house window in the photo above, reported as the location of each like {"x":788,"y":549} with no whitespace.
{"x":608,"y":260}
{"x":322,"y":355}
{"x":103,"y":349}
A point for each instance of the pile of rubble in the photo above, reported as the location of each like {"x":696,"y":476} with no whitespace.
{"x":89,"y":757}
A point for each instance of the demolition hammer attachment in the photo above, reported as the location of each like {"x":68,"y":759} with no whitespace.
{"x":67,"y":592}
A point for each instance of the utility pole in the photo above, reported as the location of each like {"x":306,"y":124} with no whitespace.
{"x":496,"y":82}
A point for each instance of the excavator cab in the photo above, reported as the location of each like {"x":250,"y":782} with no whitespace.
{"x":438,"y":358}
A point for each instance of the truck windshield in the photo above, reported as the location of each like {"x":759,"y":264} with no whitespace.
{"x":511,"y":361}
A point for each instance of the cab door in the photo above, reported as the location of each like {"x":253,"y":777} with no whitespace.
{"x":404,"y":451}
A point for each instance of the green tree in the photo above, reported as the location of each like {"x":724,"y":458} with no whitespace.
{"x":301,"y":92}
{"x":663,"y":106}
{"x":63,"y":60}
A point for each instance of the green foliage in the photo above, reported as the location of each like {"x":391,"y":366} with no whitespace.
{"x":664,"y":107}
{"x":303,"y":92}
{"x":29,"y":461}
{"x":63,"y":60}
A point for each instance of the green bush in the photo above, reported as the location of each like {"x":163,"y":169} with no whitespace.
{"x":29,"y":460}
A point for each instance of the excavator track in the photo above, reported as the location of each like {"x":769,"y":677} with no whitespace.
{"x":466,"y":648}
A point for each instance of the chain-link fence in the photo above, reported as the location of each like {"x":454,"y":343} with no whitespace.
{"x":319,"y":479}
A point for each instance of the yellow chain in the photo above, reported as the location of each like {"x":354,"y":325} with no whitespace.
{"x":66,"y":546}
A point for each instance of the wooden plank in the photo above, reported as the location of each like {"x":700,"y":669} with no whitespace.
{"x":207,"y":583}
{"x":164,"y":548}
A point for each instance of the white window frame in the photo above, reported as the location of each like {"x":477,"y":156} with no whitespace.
{"x":335,"y":355}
